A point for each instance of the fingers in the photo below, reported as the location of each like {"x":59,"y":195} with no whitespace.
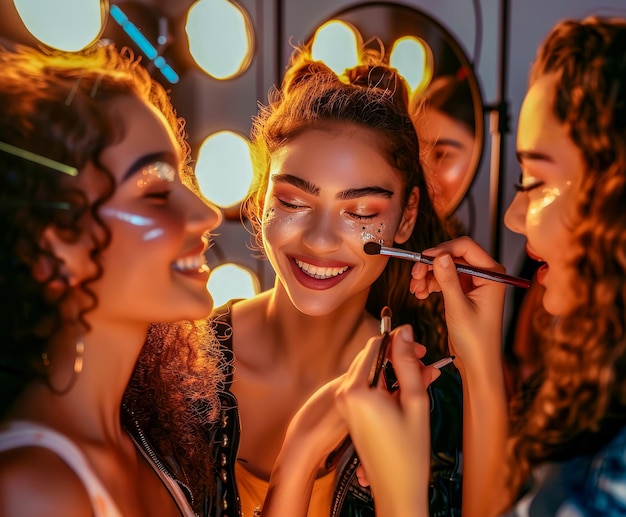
{"x":448,"y":280}
{"x":405,"y":362}
{"x":463,"y":250}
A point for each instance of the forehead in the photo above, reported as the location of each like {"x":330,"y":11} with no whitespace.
{"x":336,"y":151}
{"x":436,"y":125}
{"x":543,"y":142}
{"x":538,"y":124}
{"x":143,"y":129}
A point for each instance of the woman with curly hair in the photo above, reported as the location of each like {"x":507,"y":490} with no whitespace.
{"x":337,"y":166}
{"x":567,"y":439}
{"x":101,"y":233}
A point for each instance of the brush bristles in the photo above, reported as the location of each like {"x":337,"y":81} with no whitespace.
{"x":372,"y":248}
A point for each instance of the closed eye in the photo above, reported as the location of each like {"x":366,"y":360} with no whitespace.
{"x":290,"y":206}
{"x":521,"y":187}
{"x":163,"y":195}
{"x":361,"y":217}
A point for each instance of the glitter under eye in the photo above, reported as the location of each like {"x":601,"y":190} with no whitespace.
{"x":158,"y":170}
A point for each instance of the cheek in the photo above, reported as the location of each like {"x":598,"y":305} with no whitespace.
{"x":277,"y":226}
{"x":135,"y":228}
{"x":372,"y":232}
{"x":546,"y":215}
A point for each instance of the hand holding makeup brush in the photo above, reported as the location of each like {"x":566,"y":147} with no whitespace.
{"x":474,"y":333}
{"x":391,"y":431}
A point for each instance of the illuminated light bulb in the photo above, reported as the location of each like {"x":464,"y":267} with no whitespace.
{"x":68,"y":25}
{"x":231,"y":281}
{"x":224,"y":168}
{"x":336,"y":44}
{"x":413,"y":60}
{"x":220,"y":37}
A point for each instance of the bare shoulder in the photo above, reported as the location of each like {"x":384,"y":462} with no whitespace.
{"x":249,"y":322}
{"x":35,"y":481}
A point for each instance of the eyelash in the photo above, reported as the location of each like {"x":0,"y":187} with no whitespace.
{"x":288,"y":205}
{"x":161,"y":195}
{"x":358,"y":217}
{"x":520,"y":187}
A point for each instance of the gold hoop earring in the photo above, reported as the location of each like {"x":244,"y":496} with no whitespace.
{"x":79,"y":351}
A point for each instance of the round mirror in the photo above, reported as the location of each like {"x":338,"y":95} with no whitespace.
{"x":446,"y":105}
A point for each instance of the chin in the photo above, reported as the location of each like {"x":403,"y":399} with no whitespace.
{"x":199,"y":309}
{"x":555,"y":303}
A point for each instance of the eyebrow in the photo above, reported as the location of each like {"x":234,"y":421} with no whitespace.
{"x":449,"y":142}
{"x":351,"y":193}
{"x":146,"y":159}
{"x":533,"y":155}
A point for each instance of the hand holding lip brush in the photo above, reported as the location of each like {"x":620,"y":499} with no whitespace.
{"x":373,"y":248}
{"x":382,"y":364}
{"x":377,"y":367}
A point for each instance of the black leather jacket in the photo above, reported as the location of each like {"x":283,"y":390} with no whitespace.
{"x":446,"y":426}
{"x":224,"y":435}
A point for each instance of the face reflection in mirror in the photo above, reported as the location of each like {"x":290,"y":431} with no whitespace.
{"x":444,"y":120}
{"x":451,"y":128}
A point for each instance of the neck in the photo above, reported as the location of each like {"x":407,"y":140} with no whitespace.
{"x":90,"y":408}
{"x":331,"y":339}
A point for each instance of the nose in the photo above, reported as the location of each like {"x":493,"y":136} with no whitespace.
{"x":515,"y":216}
{"x":202,"y":216}
{"x":321,"y":235}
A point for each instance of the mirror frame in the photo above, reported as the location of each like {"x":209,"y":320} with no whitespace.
{"x":388,"y":21}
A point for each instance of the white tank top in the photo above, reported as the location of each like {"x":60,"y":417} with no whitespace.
{"x":27,"y":434}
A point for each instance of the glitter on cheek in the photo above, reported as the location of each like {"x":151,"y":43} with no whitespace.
{"x":366,"y":235}
{"x":373,"y":232}
{"x":268,"y":217}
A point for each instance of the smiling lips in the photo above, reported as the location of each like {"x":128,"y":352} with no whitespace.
{"x":320,"y":273}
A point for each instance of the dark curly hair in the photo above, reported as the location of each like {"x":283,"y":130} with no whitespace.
{"x":374,"y":96}
{"x":580,"y":394}
{"x":55,"y":105}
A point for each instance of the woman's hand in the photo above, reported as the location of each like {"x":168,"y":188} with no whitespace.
{"x":474,"y":309}
{"x":315,"y":431}
{"x":391,"y":432}
{"x":474,"y":306}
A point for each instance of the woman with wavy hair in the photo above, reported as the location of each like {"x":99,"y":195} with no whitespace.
{"x":101,"y":233}
{"x":566,"y":447}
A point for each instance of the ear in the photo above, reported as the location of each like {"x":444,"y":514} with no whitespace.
{"x":76,"y":263}
{"x":409,"y":217}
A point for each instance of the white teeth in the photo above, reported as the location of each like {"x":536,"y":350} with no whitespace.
{"x":321,"y":273}
{"x":196,"y":263}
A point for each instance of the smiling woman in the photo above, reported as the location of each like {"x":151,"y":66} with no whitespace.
{"x":337,"y":165}
{"x":101,"y":234}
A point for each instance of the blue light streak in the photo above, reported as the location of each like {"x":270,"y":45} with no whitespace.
{"x":144,"y":45}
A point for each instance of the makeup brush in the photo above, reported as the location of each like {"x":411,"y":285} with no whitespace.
{"x":373,"y":248}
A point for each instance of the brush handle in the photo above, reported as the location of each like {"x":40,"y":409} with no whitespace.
{"x":461,"y":268}
{"x":483,"y":273}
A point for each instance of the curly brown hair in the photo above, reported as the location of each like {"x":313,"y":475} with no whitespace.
{"x":579,"y":397}
{"x":374,"y":96}
{"x":55,"y":105}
